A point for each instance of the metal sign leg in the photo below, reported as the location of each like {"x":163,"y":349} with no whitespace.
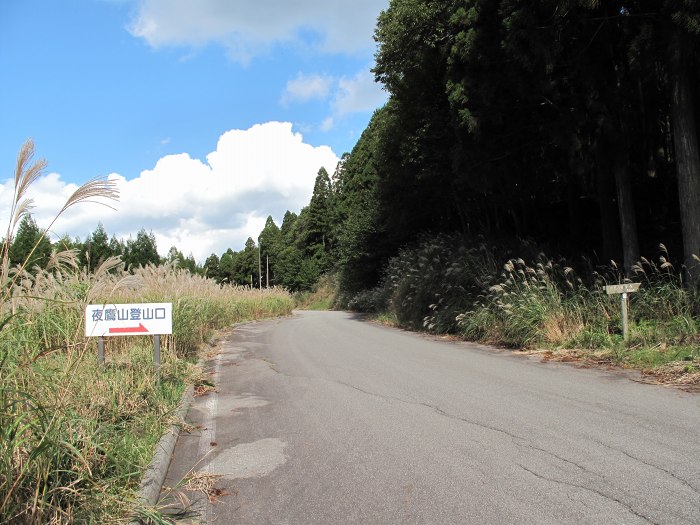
{"x":156,"y":355}
{"x":101,"y":351}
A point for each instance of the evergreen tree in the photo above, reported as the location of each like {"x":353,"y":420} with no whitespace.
{"x":142,"y":250}
{"x":190,"y":264}
{"x":116,"y":247}
{"x":96,"y":248}
{"x":226,"y":268}
{"x":65,"y":243}
{"x":270,"y":245}
{"x":289,"y":256}
{"x":683,"y":65}
{"x":212,"y":268}
{"x":30,"y":246}
{"x":512,"y":119}
{"x":319,"y":211}
{"x":288,"y":222}
{"x":174,"y":256}
{"x":360,"y":238}
{"x":245,"y":265}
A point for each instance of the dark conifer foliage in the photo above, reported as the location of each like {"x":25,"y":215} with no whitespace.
{"x":571,"y":123}
{"x":30,"y":247}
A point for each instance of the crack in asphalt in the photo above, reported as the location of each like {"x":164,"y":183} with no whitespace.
{"x":589,"y":489}
{"x":523,"y":442}
{"x":435,"y":408}
{"x":660,"y":469}
{"x":560,"y":458}
{"x":465,"y":420}
{"x":517,"y":440}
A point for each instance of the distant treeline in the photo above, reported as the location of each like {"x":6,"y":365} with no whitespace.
{"x":30,"y":244}
{"x":293,"y":256}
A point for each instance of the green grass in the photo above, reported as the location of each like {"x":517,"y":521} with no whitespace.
{"x":88,"y":434}
{"x":322,"y":297}
{"x":76,"y":437}
{"x":386,"y":318}
{"x":325,"y":304}
{"x":655,"y":356}
{"x":444,"y":284}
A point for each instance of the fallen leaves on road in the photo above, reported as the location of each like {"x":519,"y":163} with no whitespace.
{"x":683,"y":374}
{"x":204,"y":482}
{"x":201,"y":389}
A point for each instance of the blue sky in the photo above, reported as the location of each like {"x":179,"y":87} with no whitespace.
{"x":148,"y":92}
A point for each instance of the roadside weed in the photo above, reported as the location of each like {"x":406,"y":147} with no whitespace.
{"x":75,"y":437}
{"x":445,"y":284}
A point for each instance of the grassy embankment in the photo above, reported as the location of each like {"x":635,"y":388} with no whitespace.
{"x":322,"y":297}
{"x":75,"y":438}
{"x":444,"y":286}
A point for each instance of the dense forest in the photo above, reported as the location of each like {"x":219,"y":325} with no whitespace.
{"x":568,"y":124}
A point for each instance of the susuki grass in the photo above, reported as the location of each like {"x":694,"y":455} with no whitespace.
{"x":75,"y":437}
{"x":445,"y":285}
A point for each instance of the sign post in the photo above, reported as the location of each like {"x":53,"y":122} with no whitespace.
{"x":623,"y":289}
{"x":105,"y":320}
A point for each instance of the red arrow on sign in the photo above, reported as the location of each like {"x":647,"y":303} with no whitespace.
{"x":140,"y":329}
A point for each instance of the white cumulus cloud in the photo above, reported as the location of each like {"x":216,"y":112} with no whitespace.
{"x":200,"y":206}
{"x":358,"y":94}
{"x":303,"y":88}
{"x":248,"y":28}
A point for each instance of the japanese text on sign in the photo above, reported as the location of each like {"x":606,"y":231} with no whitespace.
{"x":126,"y":314}
{"x":128,"y":319}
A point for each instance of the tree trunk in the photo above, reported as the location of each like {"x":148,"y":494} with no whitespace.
{"x":609,"y":218}
{"x":457,"y":202}
{"x":687,"y":153}
{"x":619,"y":146}
{"x":573,"y":209}
{"x":625,"y":208}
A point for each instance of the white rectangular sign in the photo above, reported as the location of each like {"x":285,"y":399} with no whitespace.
{"x":622,"y":288}
{"x":104,"y":320}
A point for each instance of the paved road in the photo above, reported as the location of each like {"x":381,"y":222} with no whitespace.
{"x":325,"y":419}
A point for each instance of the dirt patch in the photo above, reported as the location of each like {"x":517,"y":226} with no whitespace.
{"x":580,"y":357}
{"x":681,"y":374}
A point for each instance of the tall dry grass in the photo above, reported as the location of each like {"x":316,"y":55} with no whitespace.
{"x":74,"y":436}
{"x":445,"y":284}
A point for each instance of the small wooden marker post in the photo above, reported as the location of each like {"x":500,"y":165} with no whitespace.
{"x":623,"y":289}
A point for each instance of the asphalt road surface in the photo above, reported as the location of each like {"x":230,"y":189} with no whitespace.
{"x":323,"y":418}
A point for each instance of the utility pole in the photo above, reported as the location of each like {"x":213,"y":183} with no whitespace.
{"x":267,"y":277}
{"x":259,"y":264}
